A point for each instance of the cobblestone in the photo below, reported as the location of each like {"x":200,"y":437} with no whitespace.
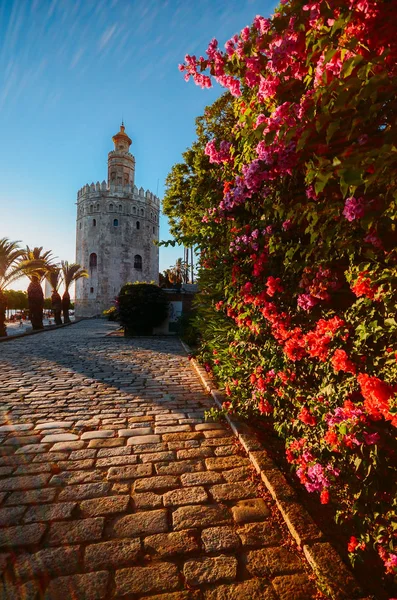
{"x":142,"y":523}
{"x":169,"y":544}
{"x":220,"y":538}
{"x":21,"y":535}
{"x":54,"y":561}
{"x":112,"y":485}
{"x":116,"y":553}
{"x":90,"y":586}
{"x":76,"y":532}
{"x":193,"y":495}
{"x":50,"y":512}
{"x":161,"y":577}
{"x":104,"y":506}
{"x":199,"y":516}
{"x":210,"y":570}
{"x":272,"y":561}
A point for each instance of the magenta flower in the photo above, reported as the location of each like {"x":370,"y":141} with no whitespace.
{"x":307,"y":301}
{"x":354,"y":208}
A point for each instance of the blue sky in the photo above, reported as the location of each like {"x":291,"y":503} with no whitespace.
{"x":69,"y":71}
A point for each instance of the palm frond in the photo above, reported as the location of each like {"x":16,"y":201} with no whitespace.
{"x":54,"y":277}
{"x":72,"y":272}
{"x":37,"y":254}
{"x":10,"y":254}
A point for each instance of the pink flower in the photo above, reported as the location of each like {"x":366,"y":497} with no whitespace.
{"x":371,"y":438}
{"x":372,"y":238}
{"x":307,"y":301}
{"x":391,"y":562}
{"x":311,"y":194}
{"x":221,"y":155}
{"x":354,"y":208}
{"x":245,"y":34}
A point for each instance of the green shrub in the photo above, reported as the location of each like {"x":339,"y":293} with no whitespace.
{"x":142,"y":306}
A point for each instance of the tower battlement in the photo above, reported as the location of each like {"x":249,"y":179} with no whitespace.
{"x":92,"y":190}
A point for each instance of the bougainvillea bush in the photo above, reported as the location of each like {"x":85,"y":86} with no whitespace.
{"x":290,"y":195}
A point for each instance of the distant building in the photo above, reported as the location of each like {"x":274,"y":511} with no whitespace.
{"x":117,"y":225}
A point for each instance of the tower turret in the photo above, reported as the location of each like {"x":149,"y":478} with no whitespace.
{"x":121,"y":163}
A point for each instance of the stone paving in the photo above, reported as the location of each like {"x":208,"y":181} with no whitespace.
{"x":113,"y":486}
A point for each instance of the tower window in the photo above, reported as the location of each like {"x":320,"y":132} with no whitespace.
{"x":120,"y":208}
{"x":138,"y":224}
{"x":97,"y":206}
{"x":153,"y":229}
{"x":91,"y":208}
{"x":115,"y":222}
{"x":93,"y":260}
{"x":94,"y":222}
{"x":111,"y":207}
{"x":80,"y":225}
{"x":142,"y":213}
{"x":138,"y":262}
{"x":91,"y":290}
{"x":134,"y":209}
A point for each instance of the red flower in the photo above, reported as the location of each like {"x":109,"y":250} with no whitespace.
{"x":324,"y":497}
{"x":377,"y":394}
{"x":332,"y":439}
{"x":353,"y":543}
{"x":265,"y":407}
{"x":341,"y":362}
{"x":362,"y":287}
{"x":306,"y":416}
{"x":273,"y":285}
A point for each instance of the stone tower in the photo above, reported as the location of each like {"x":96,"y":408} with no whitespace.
{"x":117,"y":225}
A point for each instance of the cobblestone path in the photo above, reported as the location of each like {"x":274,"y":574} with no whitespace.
{"x":112,"y":485}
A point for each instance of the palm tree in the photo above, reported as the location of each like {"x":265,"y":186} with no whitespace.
{"x":10,"y":270}
{"x":53,"y":278}
{"x":36,"y":276}
{"x":70,"y":273}
{"x":178,"y":274}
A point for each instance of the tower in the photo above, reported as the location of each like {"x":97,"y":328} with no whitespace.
{"x":116,"y":229}
{"x":121,"y":164}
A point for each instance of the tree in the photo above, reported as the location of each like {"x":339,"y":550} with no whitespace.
{"x":179,"y":273}
{"x":43,"y":261}
{"x":70,"y":273}
{"x":10,"y":270}
{"x":16,"y":300}
{"x":296,"y":224}
{"x":53,"y":278}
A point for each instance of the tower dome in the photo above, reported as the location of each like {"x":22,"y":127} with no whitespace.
{"x":121,"y":140}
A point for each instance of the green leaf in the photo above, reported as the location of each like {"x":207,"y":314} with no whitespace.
{"x":332,"y":128}
{"x":352,"y":176}
{"x":350,"y":65}
{"x":322,"y":180}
